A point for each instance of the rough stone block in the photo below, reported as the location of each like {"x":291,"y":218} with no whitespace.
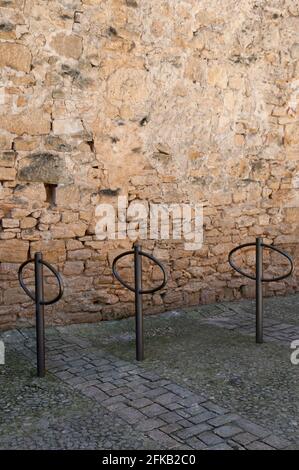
{"x":7,"y":174}
{"x":67,"y":126}
{"x":13,"y":251}
{"x":44,"y":167}
{"x":10,"y":223}
{"x":16,"y":56}
{"x":28,"y":222}
{"x":68,"y":45}
{"x":53,"y":250}
{"x":7,"y":159}
{"x":69,"y":230}
{"x":33,"y":122}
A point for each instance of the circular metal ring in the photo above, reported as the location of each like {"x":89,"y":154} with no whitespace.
{"x":163,"y":283}
{"x":60,"y":284}
{"x":132,"y":289}
{"x":287,"y":256}
{"x":271,"y":247}
{"x":21,"y":280}
{"x":29,"y":293}
{"x":115,"y":273}
{"x":236,"y":267}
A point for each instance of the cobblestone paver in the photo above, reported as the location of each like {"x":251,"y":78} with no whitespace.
{"x":115,"y":385}
{"x":47,"y":414}
{"x":166,"y":412}
{"x":233,"y":318}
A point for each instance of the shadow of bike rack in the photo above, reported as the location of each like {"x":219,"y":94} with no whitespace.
{"x":259,"y":278}
{"x":38,"y":298}
{"x":137,"y":289}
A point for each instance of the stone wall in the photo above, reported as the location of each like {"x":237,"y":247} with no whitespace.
{"x":160,"y":100}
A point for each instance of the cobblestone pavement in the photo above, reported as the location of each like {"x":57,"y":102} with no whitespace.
{"x":46,"y":414}
{"x":205,"y":384}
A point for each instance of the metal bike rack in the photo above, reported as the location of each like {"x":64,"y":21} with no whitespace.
{"x":38,"y":298}
{"x":259,"y":278}
{"x":137,"y":289}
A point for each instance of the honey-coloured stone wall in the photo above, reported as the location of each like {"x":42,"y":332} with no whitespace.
{"x":163,"y":101}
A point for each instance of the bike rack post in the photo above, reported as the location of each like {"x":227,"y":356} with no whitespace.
{"x":259,"y":278}
{"x":259,"y":290}
{"x":38,"y":298}
{"x":40,"y":315}
{"x":138,"y":291}
{"x":138,"y":303}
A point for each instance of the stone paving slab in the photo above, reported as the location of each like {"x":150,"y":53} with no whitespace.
{"x":202,"y":386}
{"x":172,"y":438}
{"x":46,"y":414}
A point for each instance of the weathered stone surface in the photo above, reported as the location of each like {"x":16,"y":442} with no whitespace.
{"x":217,"y":76}
{"x":44,"y":167}
{"x":67,"y":126}
{"x":34,"y":122}
{"x":15,"y":56}
{"x":295,"y":51}
{"x":80,"y":254}
{"x":106,"y":298}
{"x":5,"y":142}
{"x":7,"y":30}
{"x":18,"y":4}
{"x":7,"y":159}
{"x":10,"y":223}
{"x":162,"y":102}
{"x":73,"y":268}
{"x":7,"y":174}
{"x":20,"y":143}
{"x":53,"y":250}
{"x":69,"y":230}
{"x":13,"y":251}
{"x":68,"y":45}
{"x":14,"y":296}
{"x":292,"y":134}
{"x":57,"y":144}
{"x":28,"y":222}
